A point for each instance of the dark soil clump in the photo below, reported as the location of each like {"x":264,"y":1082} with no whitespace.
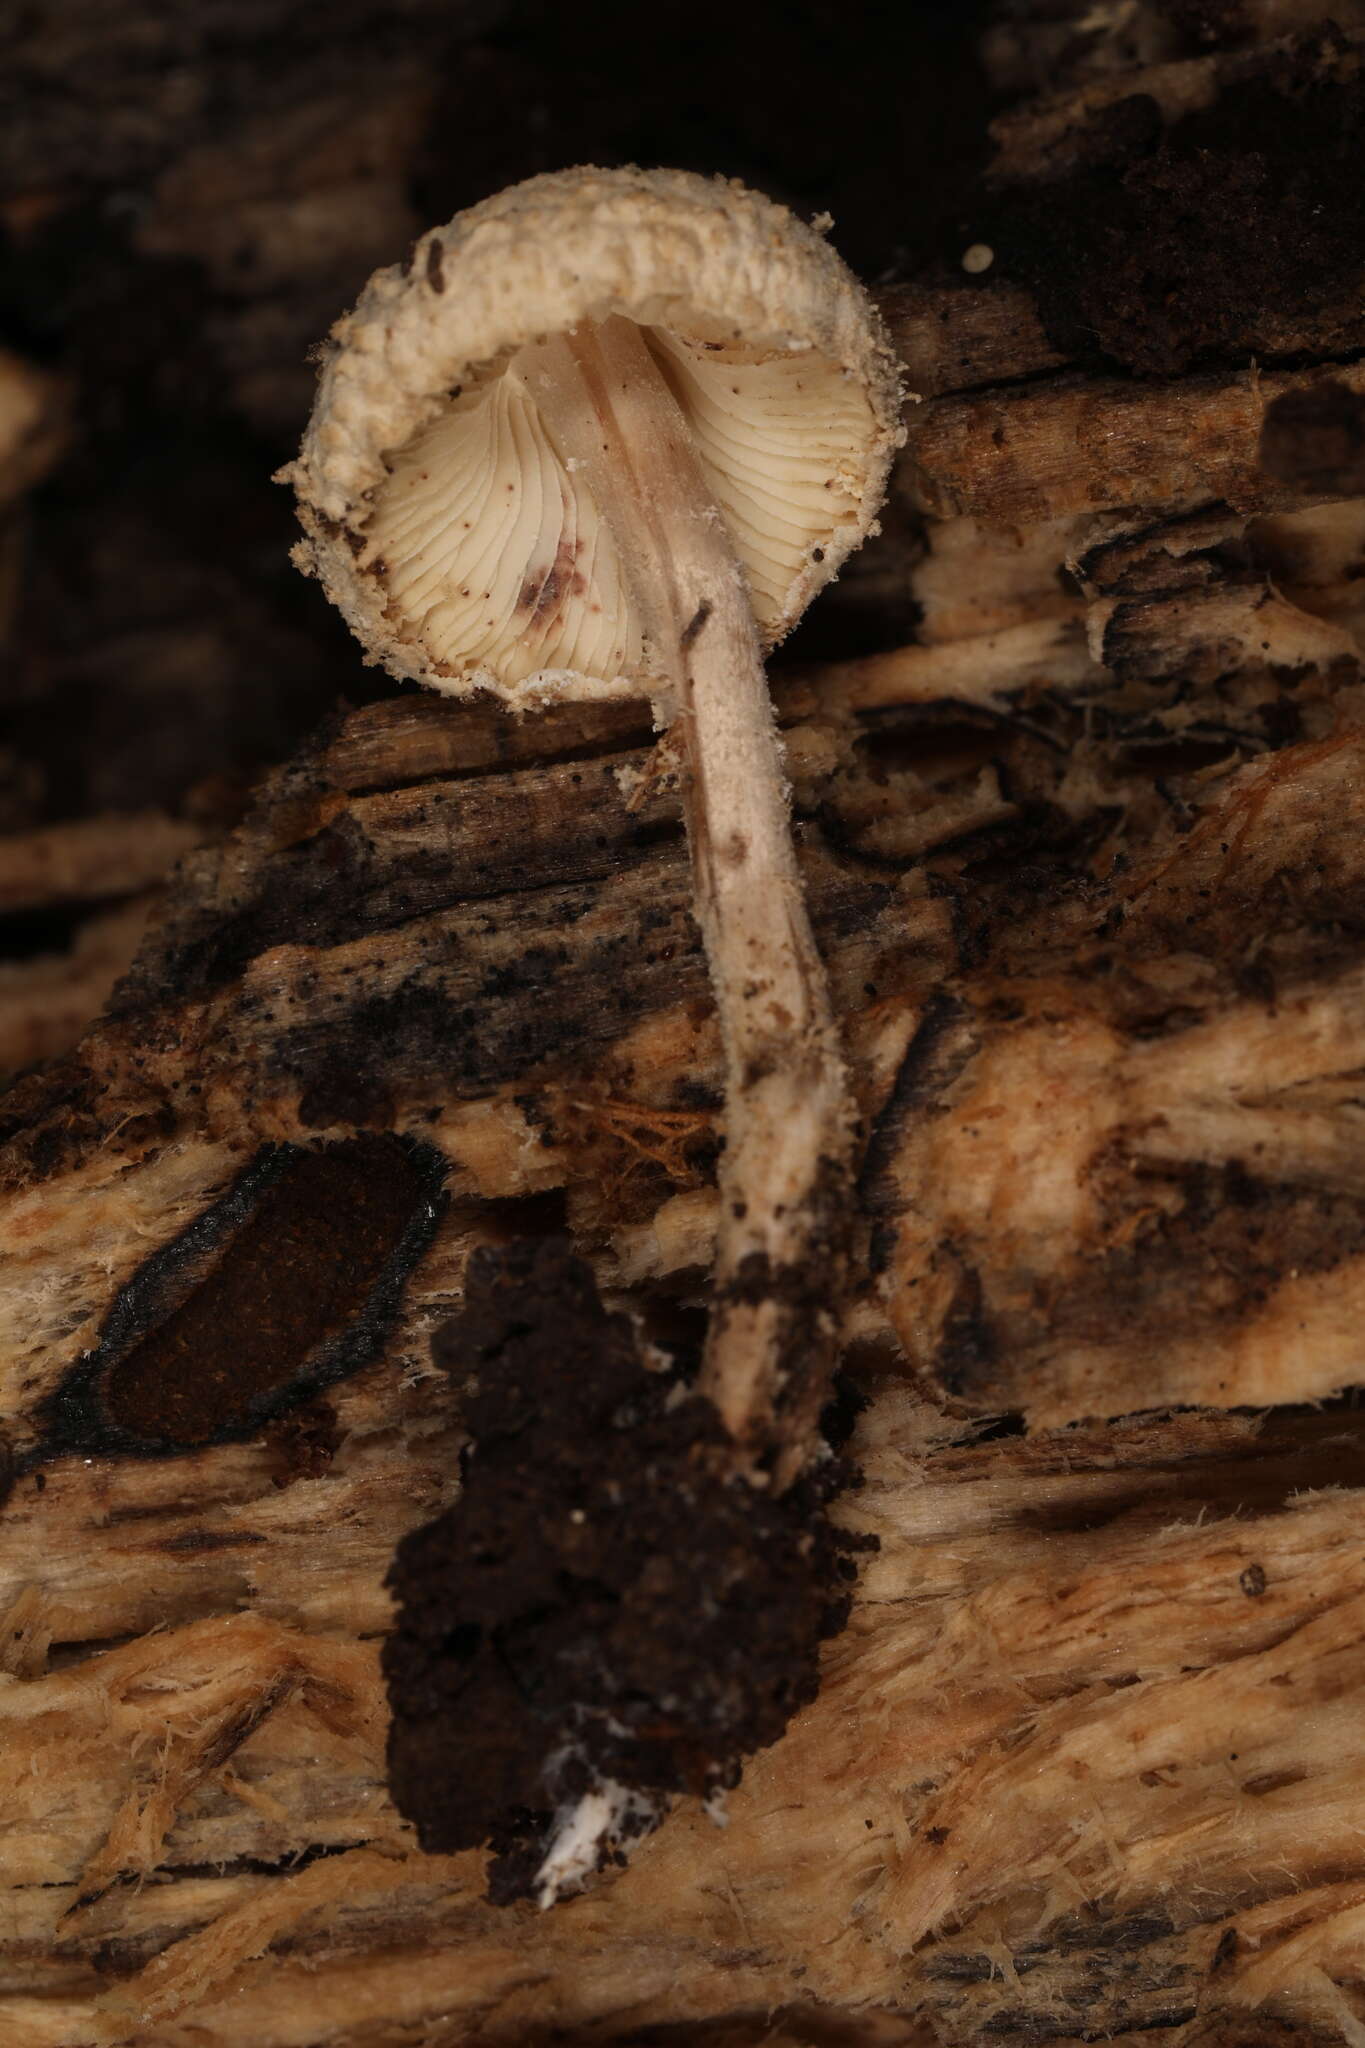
{"x":603,"y":1605}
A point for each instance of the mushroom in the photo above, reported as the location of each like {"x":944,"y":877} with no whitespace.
{"x":607,"y":434}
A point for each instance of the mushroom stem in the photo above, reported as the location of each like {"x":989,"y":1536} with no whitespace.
{"x":780,"y":1252}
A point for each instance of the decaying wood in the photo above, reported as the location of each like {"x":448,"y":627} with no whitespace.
{"x":1096,"y":1087}
{"x":1046,"y":132}
{"x":90,"y":860}
{"x":951,"y":338}
{"x":1020,"y":457}
{"x":1091,"y":1731}
{"x":1048,"y":46}
{"x":33,"y":424}
{"x":275,"y":161}
{"x":81,"y":894}
{"x":1086,"y":863}
{"x":48,"y":1001}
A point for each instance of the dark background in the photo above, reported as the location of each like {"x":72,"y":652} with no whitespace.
{"x":190,"y":194}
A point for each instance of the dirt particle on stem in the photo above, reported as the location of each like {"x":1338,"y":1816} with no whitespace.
{"x":694,"y":626}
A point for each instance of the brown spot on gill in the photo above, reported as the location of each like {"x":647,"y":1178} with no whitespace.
{"x":538,"y":595}
{"x":284,"y":1286}
{"x":542,"y":596}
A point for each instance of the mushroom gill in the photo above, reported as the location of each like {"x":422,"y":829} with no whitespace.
{"x":492,"y":550}
{"x":493,"y":554}
{"x":783,"y":442}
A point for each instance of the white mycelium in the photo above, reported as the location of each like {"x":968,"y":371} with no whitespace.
{"x":583,"y":1832}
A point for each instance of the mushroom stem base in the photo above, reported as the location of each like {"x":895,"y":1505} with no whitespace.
{"x":780,"y":1257}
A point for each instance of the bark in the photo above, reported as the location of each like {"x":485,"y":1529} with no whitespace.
{"x":1085,"y":862}
{"x":1058,"y":450}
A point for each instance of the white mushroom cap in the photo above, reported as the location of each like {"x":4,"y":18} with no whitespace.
{"x":440,"y":519}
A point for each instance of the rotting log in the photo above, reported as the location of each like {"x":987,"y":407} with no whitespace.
{"x":1091,"y":1728}
{"x":1124,"y":1083}
{"x":1086,"y":863}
